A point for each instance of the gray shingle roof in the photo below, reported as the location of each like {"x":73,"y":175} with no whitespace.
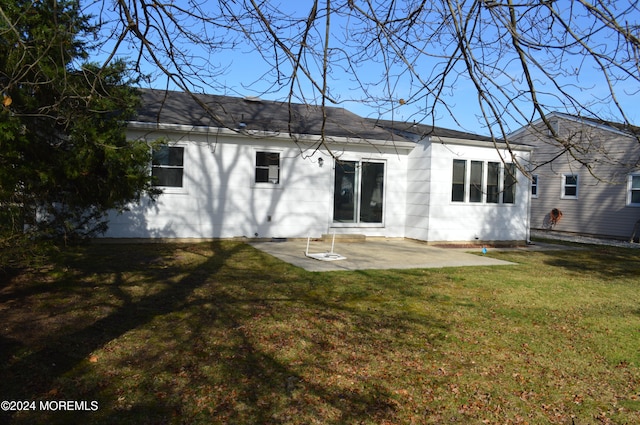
{"x":625,"y":128}
{"x":172,"y":107}
{"x":423,"y":130}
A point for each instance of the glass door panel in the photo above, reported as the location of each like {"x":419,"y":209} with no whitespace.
{"x":371,"y":192}
{"x":358,"y":192}
{"x":344,"y":198}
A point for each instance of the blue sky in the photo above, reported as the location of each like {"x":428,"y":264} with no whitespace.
{"x":244,"y":68}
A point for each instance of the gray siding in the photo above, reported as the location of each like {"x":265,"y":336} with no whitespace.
{"x":601,"y":206}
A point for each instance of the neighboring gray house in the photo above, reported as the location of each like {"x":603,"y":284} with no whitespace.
{"x":234,"y":167}
{"x":601,"y":199}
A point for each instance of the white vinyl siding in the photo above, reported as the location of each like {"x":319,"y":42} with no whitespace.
{"x":633,"y":197}
{"x":600,"y":204}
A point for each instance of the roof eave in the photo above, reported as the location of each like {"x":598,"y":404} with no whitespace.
{"x":569,"y":117}
{"x":260,"y":134}
{"x":481,"y":143}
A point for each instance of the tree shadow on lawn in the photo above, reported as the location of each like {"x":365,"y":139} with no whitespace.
{"x":45,"y":357}
{"x":176,"y":340}
{"x":602,"y":261}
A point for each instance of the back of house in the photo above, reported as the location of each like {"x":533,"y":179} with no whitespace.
{"x":246,"y":167}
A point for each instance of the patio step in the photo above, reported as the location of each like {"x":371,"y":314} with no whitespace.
{"x":328,"y":237}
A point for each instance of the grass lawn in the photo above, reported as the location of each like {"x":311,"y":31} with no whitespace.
{"x":220,"y":333}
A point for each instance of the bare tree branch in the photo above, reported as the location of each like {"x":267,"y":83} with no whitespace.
{"x":515,"y":61}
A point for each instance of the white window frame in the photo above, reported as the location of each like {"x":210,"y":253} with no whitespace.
{"x":535,"y":183}
{"x":267,"y":184}
{"x":490,"y":177}
{"x":485,"y":180}
{"x":509,"y":171}
{"x":173,"y":189}
{"x":465,"y":182}
{"x":563,"y":194}
{"x":473,"y":189}
{"x":357,"y":186}
{"x":631,"y":189}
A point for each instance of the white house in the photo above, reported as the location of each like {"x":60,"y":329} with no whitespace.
{"x":232,"y":167}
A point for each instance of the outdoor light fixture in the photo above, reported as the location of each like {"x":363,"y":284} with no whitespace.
{"x":320,"y":162}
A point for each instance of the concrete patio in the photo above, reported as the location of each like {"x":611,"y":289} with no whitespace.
{"x":376,"y":254}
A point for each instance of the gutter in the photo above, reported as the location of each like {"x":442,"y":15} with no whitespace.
{"x":257,"y":134}
{"x":481,"y":144}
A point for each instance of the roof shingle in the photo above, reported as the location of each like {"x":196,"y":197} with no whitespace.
{"x":200,"y":110}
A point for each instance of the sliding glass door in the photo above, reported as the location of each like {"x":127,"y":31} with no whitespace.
{"x":358,"y":192}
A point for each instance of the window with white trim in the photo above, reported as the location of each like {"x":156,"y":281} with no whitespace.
{"x":476,"y":179}
{"x":570,"y":186}
{"x":493,"y":182}
{"x":509,"y":184}
{"x":480,"y":181}
{"x":458,"y":181}
{"x":633,"y":196}
{"x":267,"y":167}
{"x":167,"y":166}
{"x":534,"y":186}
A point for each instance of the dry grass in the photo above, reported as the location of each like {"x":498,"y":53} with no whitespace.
{"x":221,"y":333}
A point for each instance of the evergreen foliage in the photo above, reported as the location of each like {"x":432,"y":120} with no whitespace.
{"x":64,"y":157}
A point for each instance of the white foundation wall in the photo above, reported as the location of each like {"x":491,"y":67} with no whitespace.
{"x":463,"y":221}
{"x":219,"y":198}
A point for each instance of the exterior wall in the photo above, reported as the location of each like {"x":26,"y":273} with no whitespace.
{"x":220,"y":199}
{"x":600,"y":208}
{"x":476,"y":222}
{"x":418,"y":191}
{"x":394,"y":193}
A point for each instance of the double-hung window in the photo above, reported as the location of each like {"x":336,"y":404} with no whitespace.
{"x":569,"y":186}
{"x":633,"y":197}
{"x":167,"y":166}
{"x":267,"y":167}
{"x":483,"y":182}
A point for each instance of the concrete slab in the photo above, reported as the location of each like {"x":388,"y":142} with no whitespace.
{"x":375,"y":254}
